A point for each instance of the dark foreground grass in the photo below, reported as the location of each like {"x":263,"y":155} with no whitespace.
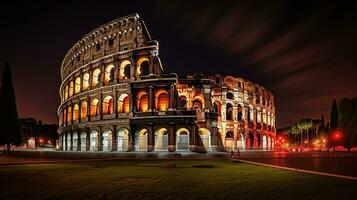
{"x":127,"y":180}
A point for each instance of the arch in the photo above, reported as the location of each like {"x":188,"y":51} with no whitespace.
{"x":84,"y":110}
{"x":68,"y":142}
{"x":75,"y":141}
{"x":75,"y":112}
{"x":83,"y":141}
{"x":94,"y":107}
{"x":264,"y":141}
{"x":217,"y":107}
{"x":71,"y":87}
{"x":107,"y":140}
{"x":77,"y":87}
{"x":241,"y":142}
{"x":205,"y":136}
{"x":109,"y":74}
{"x":198,"y":102}
{"x":269,"y":143}
{"x":142,"y":69}
{"x":69,"y":114}
{"x":161,"y":139}
{"x":64,"y":116}
{"x":230,"y":95}
{"x":162,"y":100}
{"x":123,"y":139}
{"x":268,"y":118}
{"x":264,"y":116}
{"x":229,"y":140}
{"x":93,"y":141}
{"x":229,"y":111}
{"x":182,"y":139}
{"x":182,"y":103}
{"x":124,"y":70}
{"x":142,"y":101}
{"x":259,"y":115}
{"x":107,"y":105}
{"x":124,"y":103}
{"x":66,"y":92}
{"x":240,"y":113}
{"x":141,"y":140}
{"x":250,"y":113}
{"x":250,"y":140}
{"x":96,"y":77}
{"x":85,"y":81}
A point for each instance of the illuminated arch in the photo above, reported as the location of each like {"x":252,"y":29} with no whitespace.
{"x":205,"y":135}
{"x":75,"y":140}
{"x":217,"y":106}
{"x":250,"y":113}
{"x":182,"y":139}
{"x":229,"y":140}
{"x":94,"y":107}
{"x":142,"y":101}
{"x":229,"y":111}
{"x":77,"y":87}
{"x":140,"y":70}
{"x":93,"y":140}
{"x":162,"y":100}
{"x":68,"y":141}
{"x":69,"y":113}
{"x":123,"y":139}
{"x":198,"y":102}
{"x":96,"y":77}
{"x":268,"y":119}
{"x":264,"y":116}
{"x":109,"y":74}
{"x":107,"y":105}
{"x":85,"y":81}
{"x":240,"y":113}
{"x":259,"y":115}
{"x":265,"y":142}
{"x":124,"y":103}
{"x":107,"y":140}
{"x":66,"y":92}
{"x":83,"y":141}
{"x":161,"y":139}
{"x":75,"y":112}
{"x":124,"y":70}
{"x":84,"y":110}
{"x":182,"y":102}
{"x":71,"y":87}
{"x":141,"y":138}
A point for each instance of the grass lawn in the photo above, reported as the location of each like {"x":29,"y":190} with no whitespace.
{"x":127,"y":180}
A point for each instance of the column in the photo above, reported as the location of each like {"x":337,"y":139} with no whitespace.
{"x":88,"y":108}
{"x":115,"y":138}
{"x":151,"y":100}
{"x":79,"y":140}
{"x":192,"y":138}
{"x":132,"y":102}
{"x":71,"y":143}
{"x":172,"y":138}
{"x":65,"y":142}
{"x":151,"y":138}
{"x":87,"y":140}
{"x":100,"y":139}
{"x":172,"y":97}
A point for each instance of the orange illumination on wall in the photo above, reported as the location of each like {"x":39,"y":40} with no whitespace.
{"x":69,"y":114}
{"x":143,"y":103}
{"x":126,"y":104}
{"x":94,"y":107}
{"x":84,"y":108}
{"x":108,"y":105}
{"x":75,"y":112}
{"x":162,"y":102}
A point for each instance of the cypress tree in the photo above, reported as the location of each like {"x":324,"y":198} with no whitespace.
{"x":334,"y":116}
{"x":10,"y":132}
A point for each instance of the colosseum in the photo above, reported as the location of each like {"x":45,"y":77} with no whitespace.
{"x":116,"y":97}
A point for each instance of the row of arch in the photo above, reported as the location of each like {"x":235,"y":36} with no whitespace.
{"x":81,"y":142}
{"x":251,"y":141}
{"x":92,"y":79}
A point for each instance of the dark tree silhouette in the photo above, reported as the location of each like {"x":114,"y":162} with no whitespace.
{"x":334,"y":116}
{"x":348,"y":121}
{"x":9,"y":132}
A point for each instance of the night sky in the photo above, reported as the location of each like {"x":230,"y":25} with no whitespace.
{"x":305,"y":52}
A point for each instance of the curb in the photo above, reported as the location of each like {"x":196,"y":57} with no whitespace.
{"x":299,"y":170}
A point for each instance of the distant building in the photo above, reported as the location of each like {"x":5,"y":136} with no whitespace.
{"x":116,"y":96}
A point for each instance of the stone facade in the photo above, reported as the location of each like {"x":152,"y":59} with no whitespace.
{"x":115,"y":96}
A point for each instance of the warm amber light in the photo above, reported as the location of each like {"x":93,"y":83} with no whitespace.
{"x":143,"y":103}
{"x":84,"y":108}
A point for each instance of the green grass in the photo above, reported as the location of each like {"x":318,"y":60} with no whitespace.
{"x":127,"y":180}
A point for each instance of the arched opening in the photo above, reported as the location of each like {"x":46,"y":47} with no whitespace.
{"x":142,"y":102}
{"x":229,"y":111}
{"x":268,"y":118}
{"x":124,"y":70}
{"x":93,"y":140}
{"x":75,"y":141}
{"x":77,"y":87}
{"x":264,"y":145}
{"x":96,"y":77}
{"x":229,"y":140}
{"x":75,"y":112}
{"x":94,"y":107}
{"x":68,"y":142}
{"x":182,"y":103}
{"x":259,"y":142}
{"x":85,"y":81}
{"x":66,"y":92}
{"x":229,"y":95}
{"x":205,"y":136}
{"x":123,"y":139}
{"x":69,"y":114}
{"x":250,"y":142}
{"x":269,"y":143}
{"x":83,"y":141}
{"x":198,"y":102}
{"x":241,"y":142}
{"x":161,"y":139}
{"x":162,"y":100}
{"x":182,"y":139}
{"x":250,"y":113}
{"x":264,"y":116}
{"x":109,"y":74}
{"x":71,"y":87}
{"x":240,"y":113}
{"x":108,"y":105}
{"x":107,"y":140}
{"x":84,"y":109}
{"x":142,"y":67}
{"x":259,"y":115}
{"x":141,"y":140}
{"x":124,"y":103}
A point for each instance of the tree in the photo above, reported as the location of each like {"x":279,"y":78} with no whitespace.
{"x":334,"y":116}
{"x":10,"y":132}
{"x":348,"y":121}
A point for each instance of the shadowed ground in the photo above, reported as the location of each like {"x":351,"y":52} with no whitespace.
{"x":126,"y":179}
